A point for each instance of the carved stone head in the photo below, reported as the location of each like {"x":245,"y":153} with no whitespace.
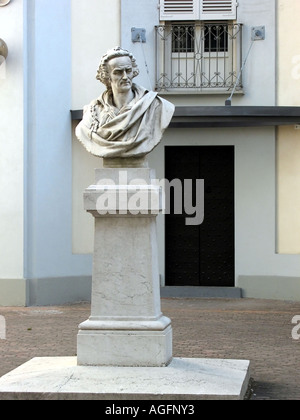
{"x":103,"y":71}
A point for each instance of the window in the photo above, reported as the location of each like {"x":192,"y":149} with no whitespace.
{"x":216,"y":38}
{"x":217,"y":9}
{"x":184,"y":10}
{"x":179,"y":9}
{"x":198,"y":56}
{"x":183,"y":38}
{"x":198,"y":46}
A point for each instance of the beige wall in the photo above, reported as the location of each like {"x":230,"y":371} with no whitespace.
{"x":288,"y":52}
{"x":288,"y":190}
{"x":288,"y":142}
{"x":95,"y":29}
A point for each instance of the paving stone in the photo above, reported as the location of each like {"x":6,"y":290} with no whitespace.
{"x":250,"y":329}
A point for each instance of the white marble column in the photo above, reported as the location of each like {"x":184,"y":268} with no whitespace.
{"x":126,"y":326}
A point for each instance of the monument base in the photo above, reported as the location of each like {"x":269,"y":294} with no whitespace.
{"x":60,"y":378}
{"x":124,"y":347}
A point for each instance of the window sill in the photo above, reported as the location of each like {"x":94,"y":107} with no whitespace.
{"x":204,"y":91}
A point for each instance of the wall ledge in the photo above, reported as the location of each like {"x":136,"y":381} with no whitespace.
{"x":228,"y":116}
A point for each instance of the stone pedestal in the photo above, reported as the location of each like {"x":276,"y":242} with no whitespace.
{"x":126,"y":326}
{"x":124,"y":349}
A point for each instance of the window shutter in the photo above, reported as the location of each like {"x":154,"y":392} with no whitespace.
{"x":179,"y":9}
{"x":218,"y":9}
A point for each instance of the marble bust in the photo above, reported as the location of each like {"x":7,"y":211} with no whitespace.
{"x":126,"y":120}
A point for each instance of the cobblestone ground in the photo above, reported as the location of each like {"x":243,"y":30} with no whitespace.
{"x":252,"y":329}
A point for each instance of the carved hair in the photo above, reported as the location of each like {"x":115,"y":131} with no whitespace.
{"x":103,"y":72}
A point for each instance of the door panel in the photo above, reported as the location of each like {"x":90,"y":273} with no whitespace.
{"x":202,"y":255}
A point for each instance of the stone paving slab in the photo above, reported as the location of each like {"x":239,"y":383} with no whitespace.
{"x":60,"y":378}
{"x":242,"y":329}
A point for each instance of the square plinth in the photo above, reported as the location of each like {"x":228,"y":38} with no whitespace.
{"x":124,"y":348}
{"x":183,"y":379}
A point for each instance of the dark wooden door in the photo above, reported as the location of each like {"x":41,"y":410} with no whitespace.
{"x":202,"y":255}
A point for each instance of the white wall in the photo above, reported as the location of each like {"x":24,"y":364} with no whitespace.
{"x":12,"y":144}
{"x":260,"y":70}
{"x":259,"y":75}
{"x":141,"y":14}
{"x":105,"y":18}
{"x":255,"y":196}
{"x":255,"y":148}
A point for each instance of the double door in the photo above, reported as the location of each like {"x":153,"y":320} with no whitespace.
{"x":201,"y":255}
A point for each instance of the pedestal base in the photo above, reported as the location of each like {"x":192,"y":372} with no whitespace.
{"x":124,"y":348}
{"x":126,"y":326}
{"x":184,"y":379}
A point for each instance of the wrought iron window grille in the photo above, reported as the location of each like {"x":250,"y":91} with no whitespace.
{"x":198,"y":57}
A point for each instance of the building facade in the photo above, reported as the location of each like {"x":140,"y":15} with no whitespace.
{"x":198,"y":54}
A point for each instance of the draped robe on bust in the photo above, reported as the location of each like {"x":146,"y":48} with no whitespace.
{"x":132,"y":131}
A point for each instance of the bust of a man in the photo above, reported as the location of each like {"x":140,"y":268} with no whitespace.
{"x":126,"y":120}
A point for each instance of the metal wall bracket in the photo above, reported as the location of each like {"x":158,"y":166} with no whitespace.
{"x":138,"y":35}
{"x":258,"y":33}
